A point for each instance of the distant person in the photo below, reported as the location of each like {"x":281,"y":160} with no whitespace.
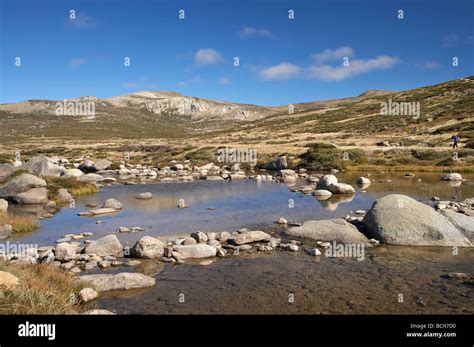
{"x":455,"y":140}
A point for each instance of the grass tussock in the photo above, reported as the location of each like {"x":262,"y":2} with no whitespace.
{"x":75,"y":187}
{"x":323,"y":156}
{"x":20,"y":224}
{"x":42,"y":289}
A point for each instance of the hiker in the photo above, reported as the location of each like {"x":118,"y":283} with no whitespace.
{"x":455,"y":140}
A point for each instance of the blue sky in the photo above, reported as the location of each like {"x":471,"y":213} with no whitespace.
{"x":282,"y":60}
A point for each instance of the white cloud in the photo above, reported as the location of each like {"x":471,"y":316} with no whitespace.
{"x":248,"y":32}
{"x":224,"y":80}
{"x":321,"y":69}
{"x":129,"y":85}
{"x":195,"y":79}
{"x":206,"y":56}
{"x":81,"y":21}
{"x":283,"y":71}
{"x":429,"y":65}
{"x":76,"y":62}
{"x":142,"y":82}
{"x":455,"y":40}
{"x":356,"y":67}
{"x":333,"y":54}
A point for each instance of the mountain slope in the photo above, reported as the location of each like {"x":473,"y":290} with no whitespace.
{"x":444,"y":107}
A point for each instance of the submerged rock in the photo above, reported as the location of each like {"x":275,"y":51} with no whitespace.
{"x":112,"y":203}
{"x":120,"y":281}
{"x":363,"y":181}
{"x":199,"y":250}
{"x":249,"y":237}
{"x":97,"y":212}
{"x":144,"y":196}
{"x":452,"y":177}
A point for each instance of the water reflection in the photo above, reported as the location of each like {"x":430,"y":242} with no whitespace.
{"x":229,"y":205}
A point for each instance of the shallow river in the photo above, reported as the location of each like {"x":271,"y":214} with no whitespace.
{"x":263,"y":283}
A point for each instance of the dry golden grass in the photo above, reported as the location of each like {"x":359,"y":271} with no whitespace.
{"x":20,"y":224}
{"x":43,"y":289}
{"x":76,"y":188}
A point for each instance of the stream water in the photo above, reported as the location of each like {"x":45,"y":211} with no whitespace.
{"x":263,"y":283}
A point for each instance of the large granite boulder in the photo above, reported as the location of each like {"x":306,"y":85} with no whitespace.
{"x":5,"y":171}
{"x":20,"y":184}
{"x":108,"y":245}
{"x":199,"y":250}
{"x":279,"y":163}
{"x":400,"y":220}
{"x":148,"y":247}
{"x":329,"y":230}
{"x":32,"y":196}
{"x":464,"y":223}
{"x":43,"y":166}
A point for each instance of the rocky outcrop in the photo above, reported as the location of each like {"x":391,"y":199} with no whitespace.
{"x":287,"y":175}
{"x":63,"y":196}
{"x":108,"y":245}
{"x":249,"y":237}
{"x":20,"y":184}
{"x":5,"y":171}
{"x":65,"y":252}
{"x":32,"y":196}
{"x":329,"y":230}
{"x":461,"y":221}
{"x":72,"y":173}
{"x":112,"y":203}
{"x":279,"y":163}
{"x":102,"y":164}
{"x":330,"y":183}
{"x":148,"y":247}
{"x":144,"y":196}
{"x":43,"y":166}
{"x":91,"y":178}
{"x":199,"y":250}
{"x":401,"y":220}
{"x":87,"y":294}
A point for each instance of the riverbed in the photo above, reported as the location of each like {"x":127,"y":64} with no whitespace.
{"x":390,"y":279}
